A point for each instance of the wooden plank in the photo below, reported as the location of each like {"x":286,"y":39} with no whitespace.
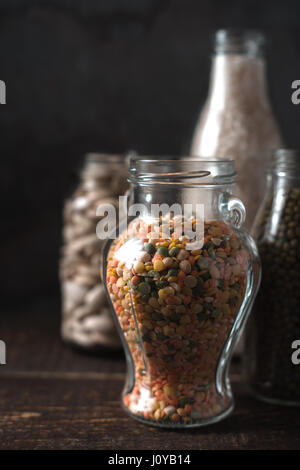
{"x":52,"y":397}
{"x":54,"y":413}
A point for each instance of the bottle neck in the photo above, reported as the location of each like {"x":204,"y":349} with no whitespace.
{"x":238,"y":79}
{"x":284,"y":181}
{"x":285,"y":168}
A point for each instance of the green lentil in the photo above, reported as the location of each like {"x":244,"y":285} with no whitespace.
{"x":153,"y":273}
{"x":173,"y":272}
{"x":144,"y":288}
{"x":173,"y":251}
{"x":149,"y":248}
{"x":163,"y":251}
{"x":161,"y":283}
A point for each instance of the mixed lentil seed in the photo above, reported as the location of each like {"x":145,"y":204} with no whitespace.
{"x":275,"y":320}
{"x":176,"y":308}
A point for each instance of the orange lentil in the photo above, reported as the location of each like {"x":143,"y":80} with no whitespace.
{"x":135,"y":280}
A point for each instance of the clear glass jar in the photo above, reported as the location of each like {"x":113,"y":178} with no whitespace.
{"x":275,"y":322}
{"x":86,"y":318}
{"x":237,"y":119}
{"x":180,"y":309}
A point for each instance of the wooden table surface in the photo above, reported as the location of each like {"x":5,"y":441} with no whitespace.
{"x":52,"y":397}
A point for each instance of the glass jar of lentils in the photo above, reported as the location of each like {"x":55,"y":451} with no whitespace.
{"x":181,"y":305}
{"x":86,"y":317}
{"x":274,"y":325}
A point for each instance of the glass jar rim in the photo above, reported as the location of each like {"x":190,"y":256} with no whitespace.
{"x":146,"y":171}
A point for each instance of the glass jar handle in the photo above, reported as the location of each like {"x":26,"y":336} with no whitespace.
{"x":233,"y":210}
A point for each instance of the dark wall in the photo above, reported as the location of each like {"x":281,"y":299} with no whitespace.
{"x":108,"y":75}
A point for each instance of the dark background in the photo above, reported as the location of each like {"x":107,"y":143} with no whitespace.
{"x":108,"y":76}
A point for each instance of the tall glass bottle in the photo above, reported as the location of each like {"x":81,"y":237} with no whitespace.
{"x":272,"y":339}
{"x":237,"y":120}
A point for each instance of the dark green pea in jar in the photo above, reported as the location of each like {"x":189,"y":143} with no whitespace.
{"x":274,"y":325}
